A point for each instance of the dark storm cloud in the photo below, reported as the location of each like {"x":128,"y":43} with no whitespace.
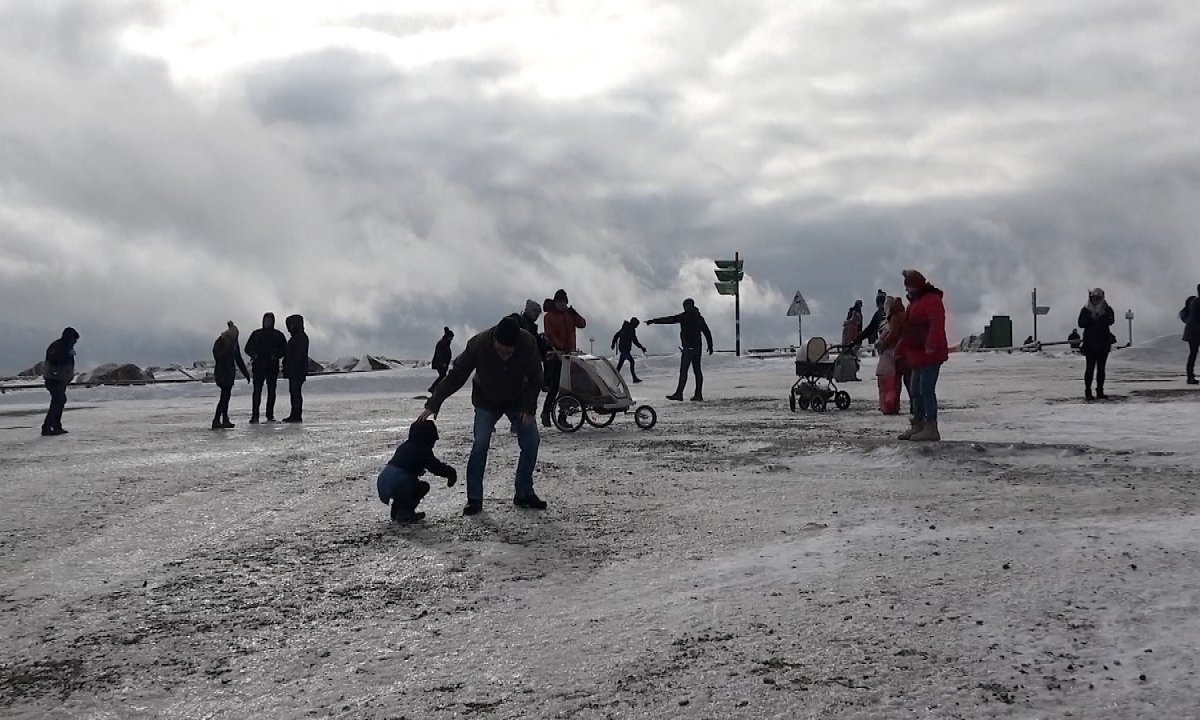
{"x":997,"y":147}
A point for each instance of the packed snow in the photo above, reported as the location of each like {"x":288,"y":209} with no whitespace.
{"x":737,"y":561}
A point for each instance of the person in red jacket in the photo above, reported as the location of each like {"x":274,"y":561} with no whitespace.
{"x":923,"y":349}
{"x":560,"y":322}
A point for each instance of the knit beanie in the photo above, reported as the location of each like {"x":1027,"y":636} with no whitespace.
{"x":533,"y":309}
{"x":507,"y":332}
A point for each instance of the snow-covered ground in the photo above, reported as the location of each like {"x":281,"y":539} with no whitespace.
{"x":738,"y":561}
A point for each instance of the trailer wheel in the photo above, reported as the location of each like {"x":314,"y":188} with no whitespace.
{"x":599,"y":419}
{"x":818,"y":404}
{"x":568,"y":414}
{"x":645,"y":417}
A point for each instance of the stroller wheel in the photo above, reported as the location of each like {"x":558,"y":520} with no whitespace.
{"x":568,"y":414}
{"x":599,"y":418}
{"x":818,"y":404}
{"x":842,"y":400}
{"x":804,"y":402}
{"x":645,"y":417}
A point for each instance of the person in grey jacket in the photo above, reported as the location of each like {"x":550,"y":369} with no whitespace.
{"x":59,"y":371}
{"x":508,"y":377}
{"x":1190,"y":315}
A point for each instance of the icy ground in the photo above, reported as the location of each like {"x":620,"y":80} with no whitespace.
{"x":738,"y":561}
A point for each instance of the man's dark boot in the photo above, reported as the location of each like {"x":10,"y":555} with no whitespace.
{"x":546,"y":417}
{"x":474,"y":507}
{"x":1087,"y":395}
{"x":677,"y":397}
{"x":217,"y":424}
{"x":254,"y":419}
{"x":47,"y":431}
{"x":530,"y":502}
{"x":698,"y":397}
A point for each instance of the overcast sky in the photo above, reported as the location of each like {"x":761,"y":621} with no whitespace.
{"x":387,"y":168}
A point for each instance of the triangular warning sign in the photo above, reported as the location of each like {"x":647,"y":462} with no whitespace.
{"x":799,"y":306}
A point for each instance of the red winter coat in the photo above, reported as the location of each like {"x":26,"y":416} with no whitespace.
{"x":923,"y":340}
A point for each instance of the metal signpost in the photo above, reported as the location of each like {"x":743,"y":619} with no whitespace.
{"x":798,"y":309}
{"x":730,"y":275}
{"x":1129,"y":317}
{"x":1038,"y":310}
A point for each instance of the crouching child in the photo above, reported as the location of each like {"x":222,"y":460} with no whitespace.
{"x":400,"y":482}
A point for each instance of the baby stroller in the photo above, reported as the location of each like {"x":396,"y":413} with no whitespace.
{"x":591,"y":391}
{"x":816,"y":388}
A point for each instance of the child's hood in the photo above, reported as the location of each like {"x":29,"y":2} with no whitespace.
{"x":423,"y":433}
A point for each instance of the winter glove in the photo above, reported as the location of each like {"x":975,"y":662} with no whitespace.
{"x":452,"y":478}
{"x":710,"y":351}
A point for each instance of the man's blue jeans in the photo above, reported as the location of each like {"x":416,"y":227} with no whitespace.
{"x":528,"y":439}
{"x":923,"y":393}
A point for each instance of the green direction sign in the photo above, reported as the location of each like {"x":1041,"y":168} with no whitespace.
{"x":726,"y":288}
{"x":729,"y":264}
{"x":730,"y":275}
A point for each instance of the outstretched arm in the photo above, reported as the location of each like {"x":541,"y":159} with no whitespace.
{"x":460,"y":371}
{"x":668,"y":320}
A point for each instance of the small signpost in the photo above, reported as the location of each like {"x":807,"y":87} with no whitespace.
{"x":798,"y":309}
{"x":729,"y":276}
{"x":1129,"y":317}
{"x":1038,"y":310}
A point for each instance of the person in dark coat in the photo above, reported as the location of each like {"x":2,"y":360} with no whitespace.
{"x":59,"y":371}
{"x":265,"y":348}
{"x":1074,"y":340}
{"x":400,"y":482}
{"x":295,"y":366}
{"x":442,"y":357}
{"x":1190,"y":315}
{"x":871,"y":332}
{"x":228,"y":356}
{"x":508,"y":377}
{"x":623,"y":342}
{"x":1096,"y":318}
{"x":691,"y":327}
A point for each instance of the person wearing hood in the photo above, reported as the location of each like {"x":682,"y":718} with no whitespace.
{"x":228,"y":356}
{"x":853,"y":325}
{"x":560,"y":321}
{"x":1190,"y":315}
{"x":692,"y":327}
{"x":508,"y":378}
{"x":265,"y":348}
{"x":442,"y":357}
{"x":295,"y":366}
{"x":400,"y":482}
{"x":889,"y":372}
{"x":58,"y":372}
{"x":1096,"y":318}
{"x":871,"y":332}
{"x":1074,"y":341}
{"x":623,"y":342}
{"x":923,"y":350}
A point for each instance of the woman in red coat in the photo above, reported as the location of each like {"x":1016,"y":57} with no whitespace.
{"x":923,"y":349}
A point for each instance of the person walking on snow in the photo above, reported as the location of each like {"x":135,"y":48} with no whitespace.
{"x":923,"y":350}
{"x":623,"y":343}
{"x":228,"y":356}
{"x":1096,"y":318}
{"x":561,"y":321}
{"x":442,"y":357}
{"x":1190,"y":315}
{"x":691,"y":327}
{"x":265,"y":348}
{"x":508,"y":377}
{"x":295,"y":366}
{"x":58,"y":372}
